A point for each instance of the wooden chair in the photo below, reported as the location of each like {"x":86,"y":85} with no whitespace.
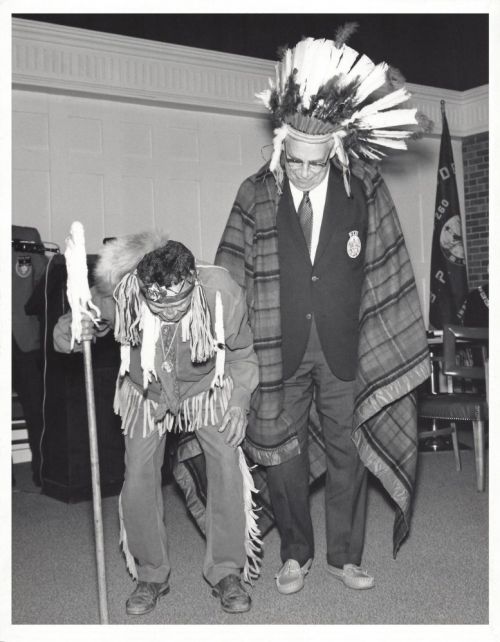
{"x":455,"y":406}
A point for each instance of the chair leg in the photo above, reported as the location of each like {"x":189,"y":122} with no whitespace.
{"x":456,"y":449}
{"x":478,"y":429}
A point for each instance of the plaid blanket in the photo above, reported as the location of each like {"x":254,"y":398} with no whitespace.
{"x":393,"y":355}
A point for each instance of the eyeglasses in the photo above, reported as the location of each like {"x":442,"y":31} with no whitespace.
{"x":295,"y":163}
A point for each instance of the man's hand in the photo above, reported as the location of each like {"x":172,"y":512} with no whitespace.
{"x":235,"y":421}
{"x":88,"y":329}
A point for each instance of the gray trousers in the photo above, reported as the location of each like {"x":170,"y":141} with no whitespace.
{"x":143,"y":506}
{"x":345,"y":486}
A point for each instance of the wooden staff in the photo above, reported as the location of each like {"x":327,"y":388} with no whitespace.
{"x":80,"y":301}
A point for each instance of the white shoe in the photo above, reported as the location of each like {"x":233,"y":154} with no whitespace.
{"x":354,"y":577}
{"x":290,"y":578}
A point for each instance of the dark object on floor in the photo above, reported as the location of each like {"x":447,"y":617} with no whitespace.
{"x":66,"y":473}
{"x":233,"y":597}
{"x":144,"y":597}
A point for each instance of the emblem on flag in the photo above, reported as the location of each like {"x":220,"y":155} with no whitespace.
{"x":451,"y":240}
{"x":353,"y":244}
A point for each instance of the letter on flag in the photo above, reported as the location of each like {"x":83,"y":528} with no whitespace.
{"x":448,"y":284}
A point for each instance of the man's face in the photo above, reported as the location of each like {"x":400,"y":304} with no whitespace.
{"x":306,"y":163}
{"x":169,"y":303}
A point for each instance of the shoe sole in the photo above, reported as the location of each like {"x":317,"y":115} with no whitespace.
{"x":298,"y":584}
{"x":227,"y":609}
{"x":288,"y":589}
{"x":151,"y":608}
{"x":350,"y":586}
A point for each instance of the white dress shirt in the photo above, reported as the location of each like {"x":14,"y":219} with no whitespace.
{"x":318,"y":198}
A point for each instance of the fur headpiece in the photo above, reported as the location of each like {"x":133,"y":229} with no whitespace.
{"x":325,"y":88}
{"x":122,"y":255}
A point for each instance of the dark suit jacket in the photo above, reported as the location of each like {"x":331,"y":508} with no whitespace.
{"x":328,"y":290}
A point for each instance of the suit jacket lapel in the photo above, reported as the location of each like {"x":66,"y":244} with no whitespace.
{"x":286,"y":202}
{"x":335,"y":206}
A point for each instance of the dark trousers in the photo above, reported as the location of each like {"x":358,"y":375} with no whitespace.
{"x":345,"y":490}
{"x":27,"y":381}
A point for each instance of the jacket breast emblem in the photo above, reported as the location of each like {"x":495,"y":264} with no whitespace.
{"x":353,"y":244}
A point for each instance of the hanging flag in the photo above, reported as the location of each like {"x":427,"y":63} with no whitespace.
{"x":448,"y":284}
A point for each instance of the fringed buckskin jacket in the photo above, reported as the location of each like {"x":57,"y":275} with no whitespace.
{"x":193,"y":380}
{"x":393,"y":357}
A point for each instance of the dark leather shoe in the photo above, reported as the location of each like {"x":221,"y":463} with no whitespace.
{"x":233,"y":597}
{"x":144,"y":598}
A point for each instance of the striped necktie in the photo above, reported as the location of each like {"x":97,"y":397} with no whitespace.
{"x":305,"y":213}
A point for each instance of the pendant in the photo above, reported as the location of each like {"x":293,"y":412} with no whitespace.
{"x":166,"y":366}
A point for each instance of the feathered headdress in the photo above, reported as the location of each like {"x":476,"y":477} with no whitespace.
{"x":325,"y":88}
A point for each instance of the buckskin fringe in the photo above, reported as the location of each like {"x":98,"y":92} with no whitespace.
{"x":129,"y":559}
{"x":253,"y":542}
{"x":202,"y":409}
{"x":199,"y":410}
{"x":129,"y":403}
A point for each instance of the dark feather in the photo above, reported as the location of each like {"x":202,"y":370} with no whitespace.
{"x":281,"y":51}
{"x":395,"y":78}
{"x":424,"y":125}
{"x":344,"y":32}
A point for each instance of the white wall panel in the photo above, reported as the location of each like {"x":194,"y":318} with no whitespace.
{"x":30,"y":130}
{"x":136,"y":140}
{"x":179,"y":213}
{"x":31,"y":200}
{"x":137,"y":206}
{"x":84,"y":135}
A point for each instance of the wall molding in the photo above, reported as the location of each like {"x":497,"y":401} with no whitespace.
{"x":67,"y":60}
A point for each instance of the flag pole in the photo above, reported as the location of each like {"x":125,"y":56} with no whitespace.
{"x":80,"y":302}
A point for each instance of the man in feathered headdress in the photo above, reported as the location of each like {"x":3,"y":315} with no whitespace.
{"x":188,"y":364}
{"x":314,"y":239}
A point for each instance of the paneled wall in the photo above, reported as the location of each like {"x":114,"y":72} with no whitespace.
{"x":168,"y":145}
{"x":121,"y":168}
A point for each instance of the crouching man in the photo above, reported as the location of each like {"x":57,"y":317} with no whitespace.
{"x":187,"y":363}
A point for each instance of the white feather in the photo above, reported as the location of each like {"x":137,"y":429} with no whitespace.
{"x":303,"y":60}
{"x":287,"y":68}
{"x":392,"y":118}
{"x":318,"y":57}
{"x":77,"y":286}
{"x":360,"y":70}
{"x":150,"y":325}
{"x":369,"y":152}
{"x":276,"y":77}
{"x":348,"y":59}
{"x":264,"y":97}
{"x":386,"y":102}
{"x":386,"y":142}
{"x":372,"y":82}
{"x":390,"y":133}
